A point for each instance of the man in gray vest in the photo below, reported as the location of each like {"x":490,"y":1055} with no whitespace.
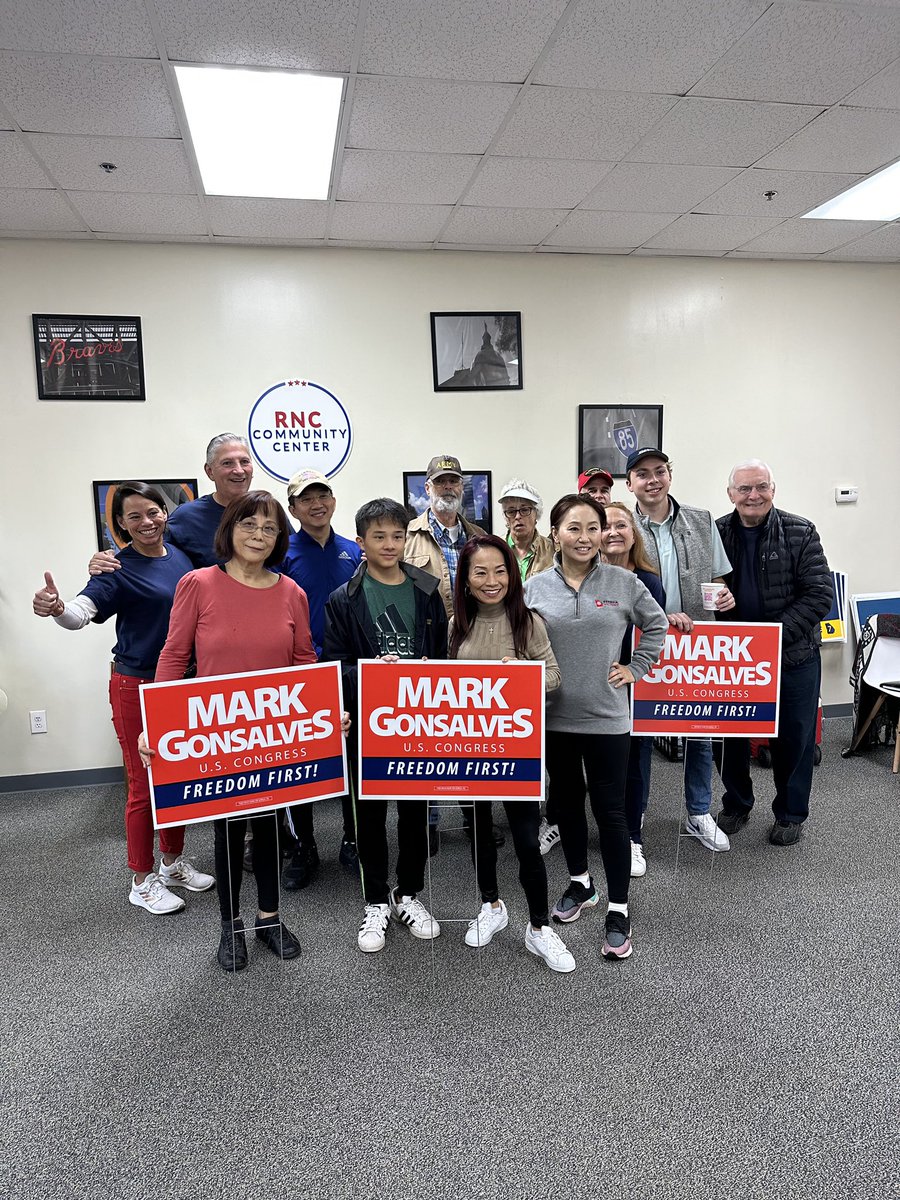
{"x":685,"y":545}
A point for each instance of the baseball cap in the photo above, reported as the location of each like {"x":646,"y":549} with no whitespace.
{"x":443,"y":464}
{"x":590,"y":473}
{"x":645,"y":452}
{"x":304,"y":479}
{"x":518,"y":489}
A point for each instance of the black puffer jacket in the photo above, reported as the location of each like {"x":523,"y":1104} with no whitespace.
{"x":793,"y":575}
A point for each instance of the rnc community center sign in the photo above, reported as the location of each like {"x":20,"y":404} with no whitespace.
{"x":719,"y":680}
{"x":433,"y":730}
{"x":229,"y":745}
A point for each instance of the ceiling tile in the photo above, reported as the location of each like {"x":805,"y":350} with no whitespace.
{"x":384,"y":177}
{"x":502,"y":226}
{"x":808,"y":237}
{"x":853,"y":140}
{"x":548,"y":249}
{"x":65,"y":94}
{"x":782,"y":256}
{"x":796,"y":193}
{"x":584,"y":228}
{"x":142,"y":164}
{"x":18,"y":168}
{"x":27,"y":208}
{"x":643,"y":252}
{"x":554,"y":122}
{"x":534,"y":182}
{"x":130,"y":214}
{"x":881,"y":91}
{"x":806,"y":55}
{"x":79,"y":27}
{"x":240,"y":216}
{"x":271,"y":33}
{"x":457,"y":39}
{"x":724,"y":133}
{"x":712,"y":233}
{"x":656,"y":187}
{"x":427,"y":115}
{"x":645,"y":45}
{"x":883,"y":244}
{"x":388,"y":222}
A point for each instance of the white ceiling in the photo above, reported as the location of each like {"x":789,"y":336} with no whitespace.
{"x":597,"y":126}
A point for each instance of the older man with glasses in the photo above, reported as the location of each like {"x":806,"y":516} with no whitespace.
{"x":522,"y":509}
{"x":779,"y":573}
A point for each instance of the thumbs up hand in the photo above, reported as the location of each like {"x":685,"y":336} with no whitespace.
{"x":47,"y":602}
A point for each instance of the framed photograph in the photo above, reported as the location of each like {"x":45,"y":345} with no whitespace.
{"x":473,"y":352}
{"x":88,"y":358}
{"x":607,"y":435}
{"x":476,"y":505}
{"x":174,"y":491}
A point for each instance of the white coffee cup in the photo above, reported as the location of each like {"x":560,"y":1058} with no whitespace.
{"x":710,"y":594}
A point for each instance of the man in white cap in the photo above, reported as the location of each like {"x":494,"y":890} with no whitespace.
{"x":319,"y":561}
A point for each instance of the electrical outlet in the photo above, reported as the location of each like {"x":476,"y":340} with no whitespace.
{"x":38,"y":718}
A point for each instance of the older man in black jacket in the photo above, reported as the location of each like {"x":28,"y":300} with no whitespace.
{"x":779,"y":573}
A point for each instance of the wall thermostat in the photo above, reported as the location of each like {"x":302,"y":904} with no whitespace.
{"x":846,"y":495}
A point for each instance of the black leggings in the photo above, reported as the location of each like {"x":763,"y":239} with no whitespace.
{"x":230,"y":862}
{"x":603,"y":758}
{"x":524,"y":818}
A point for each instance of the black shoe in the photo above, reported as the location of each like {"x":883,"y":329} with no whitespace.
{"x":248,"y":855}
{"x":783,"y":833}
{"x":732,"y":821}
{"x":232,"y":952}
{"x":348,"y":855}
{"x":302,"y":868}
{"x":275,"y":934}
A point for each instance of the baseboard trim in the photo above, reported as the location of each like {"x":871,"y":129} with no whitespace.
{"x":837,"y":710}
{"x":52,"y":780}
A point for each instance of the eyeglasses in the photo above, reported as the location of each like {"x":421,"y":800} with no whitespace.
{"x":251,"y":527}
{"x":523,"y":511}
{"x":746,"y":488}
{"x":303,"y":498}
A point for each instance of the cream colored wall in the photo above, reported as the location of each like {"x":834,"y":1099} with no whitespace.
{"x":794,"y":362}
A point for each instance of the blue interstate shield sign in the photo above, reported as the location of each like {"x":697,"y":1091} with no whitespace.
{"x":625,"y":437}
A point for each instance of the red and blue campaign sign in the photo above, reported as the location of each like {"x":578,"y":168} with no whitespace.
{"x":229,"y":745}
{"x":432,"y":730}
{"x":719,"y":680}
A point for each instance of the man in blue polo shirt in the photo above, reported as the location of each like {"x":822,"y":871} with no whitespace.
{"x":318,"y":560}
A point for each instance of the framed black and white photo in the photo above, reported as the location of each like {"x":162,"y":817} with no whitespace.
{"x":472,"y":352}
{"x":608,"y":434}
{"x":174,"y":492}
{"x":476,"y":505}
{"x":88,"y":358}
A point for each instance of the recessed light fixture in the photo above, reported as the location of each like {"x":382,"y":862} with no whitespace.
{"x":108,"y":167}
{"x":874,"y":199}
{"x":262,"y":133}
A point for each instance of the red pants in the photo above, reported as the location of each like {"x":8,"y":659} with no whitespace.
{"x":126,"y":718}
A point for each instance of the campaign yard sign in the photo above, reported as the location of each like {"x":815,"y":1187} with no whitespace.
{"x":230,"y":745}
{"x":719,"y":680}
{"x":433,"y":730}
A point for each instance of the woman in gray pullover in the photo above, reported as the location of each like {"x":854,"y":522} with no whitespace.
{"x":586,"y":606}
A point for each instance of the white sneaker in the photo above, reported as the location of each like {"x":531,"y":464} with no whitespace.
{"x":371,"y":933}
{"x":153,"y":895}
{"x":549,"y":946}
{"x":412,"y":912}
{"x":183,"y":873}
{"x":704,"y":828}
{"x":638,"y":862}
{"x":548,"y":837}
{"x":488,"y":922}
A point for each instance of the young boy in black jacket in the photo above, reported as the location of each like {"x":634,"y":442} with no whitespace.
{"x":388,"y":610}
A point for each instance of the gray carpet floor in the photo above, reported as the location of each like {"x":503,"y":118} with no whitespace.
{"x":749,"y":1048}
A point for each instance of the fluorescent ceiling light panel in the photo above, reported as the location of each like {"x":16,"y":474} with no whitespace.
{"x":874,"y":199}
{"x":262,"y":133}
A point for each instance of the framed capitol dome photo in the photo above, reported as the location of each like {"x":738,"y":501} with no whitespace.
{"x":473,"y":352}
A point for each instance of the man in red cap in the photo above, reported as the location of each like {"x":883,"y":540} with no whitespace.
{"x":597,"y":483}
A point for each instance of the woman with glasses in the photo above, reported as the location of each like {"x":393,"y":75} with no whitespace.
{"x":522,"y":509}
{"x":234,"y":617}
{"x":139,"y":595}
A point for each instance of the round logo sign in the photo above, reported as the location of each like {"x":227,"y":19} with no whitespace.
{"x":298,"y":425}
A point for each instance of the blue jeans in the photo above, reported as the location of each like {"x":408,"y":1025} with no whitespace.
{"x":698,"y":762}
{"x":793,"y":751}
